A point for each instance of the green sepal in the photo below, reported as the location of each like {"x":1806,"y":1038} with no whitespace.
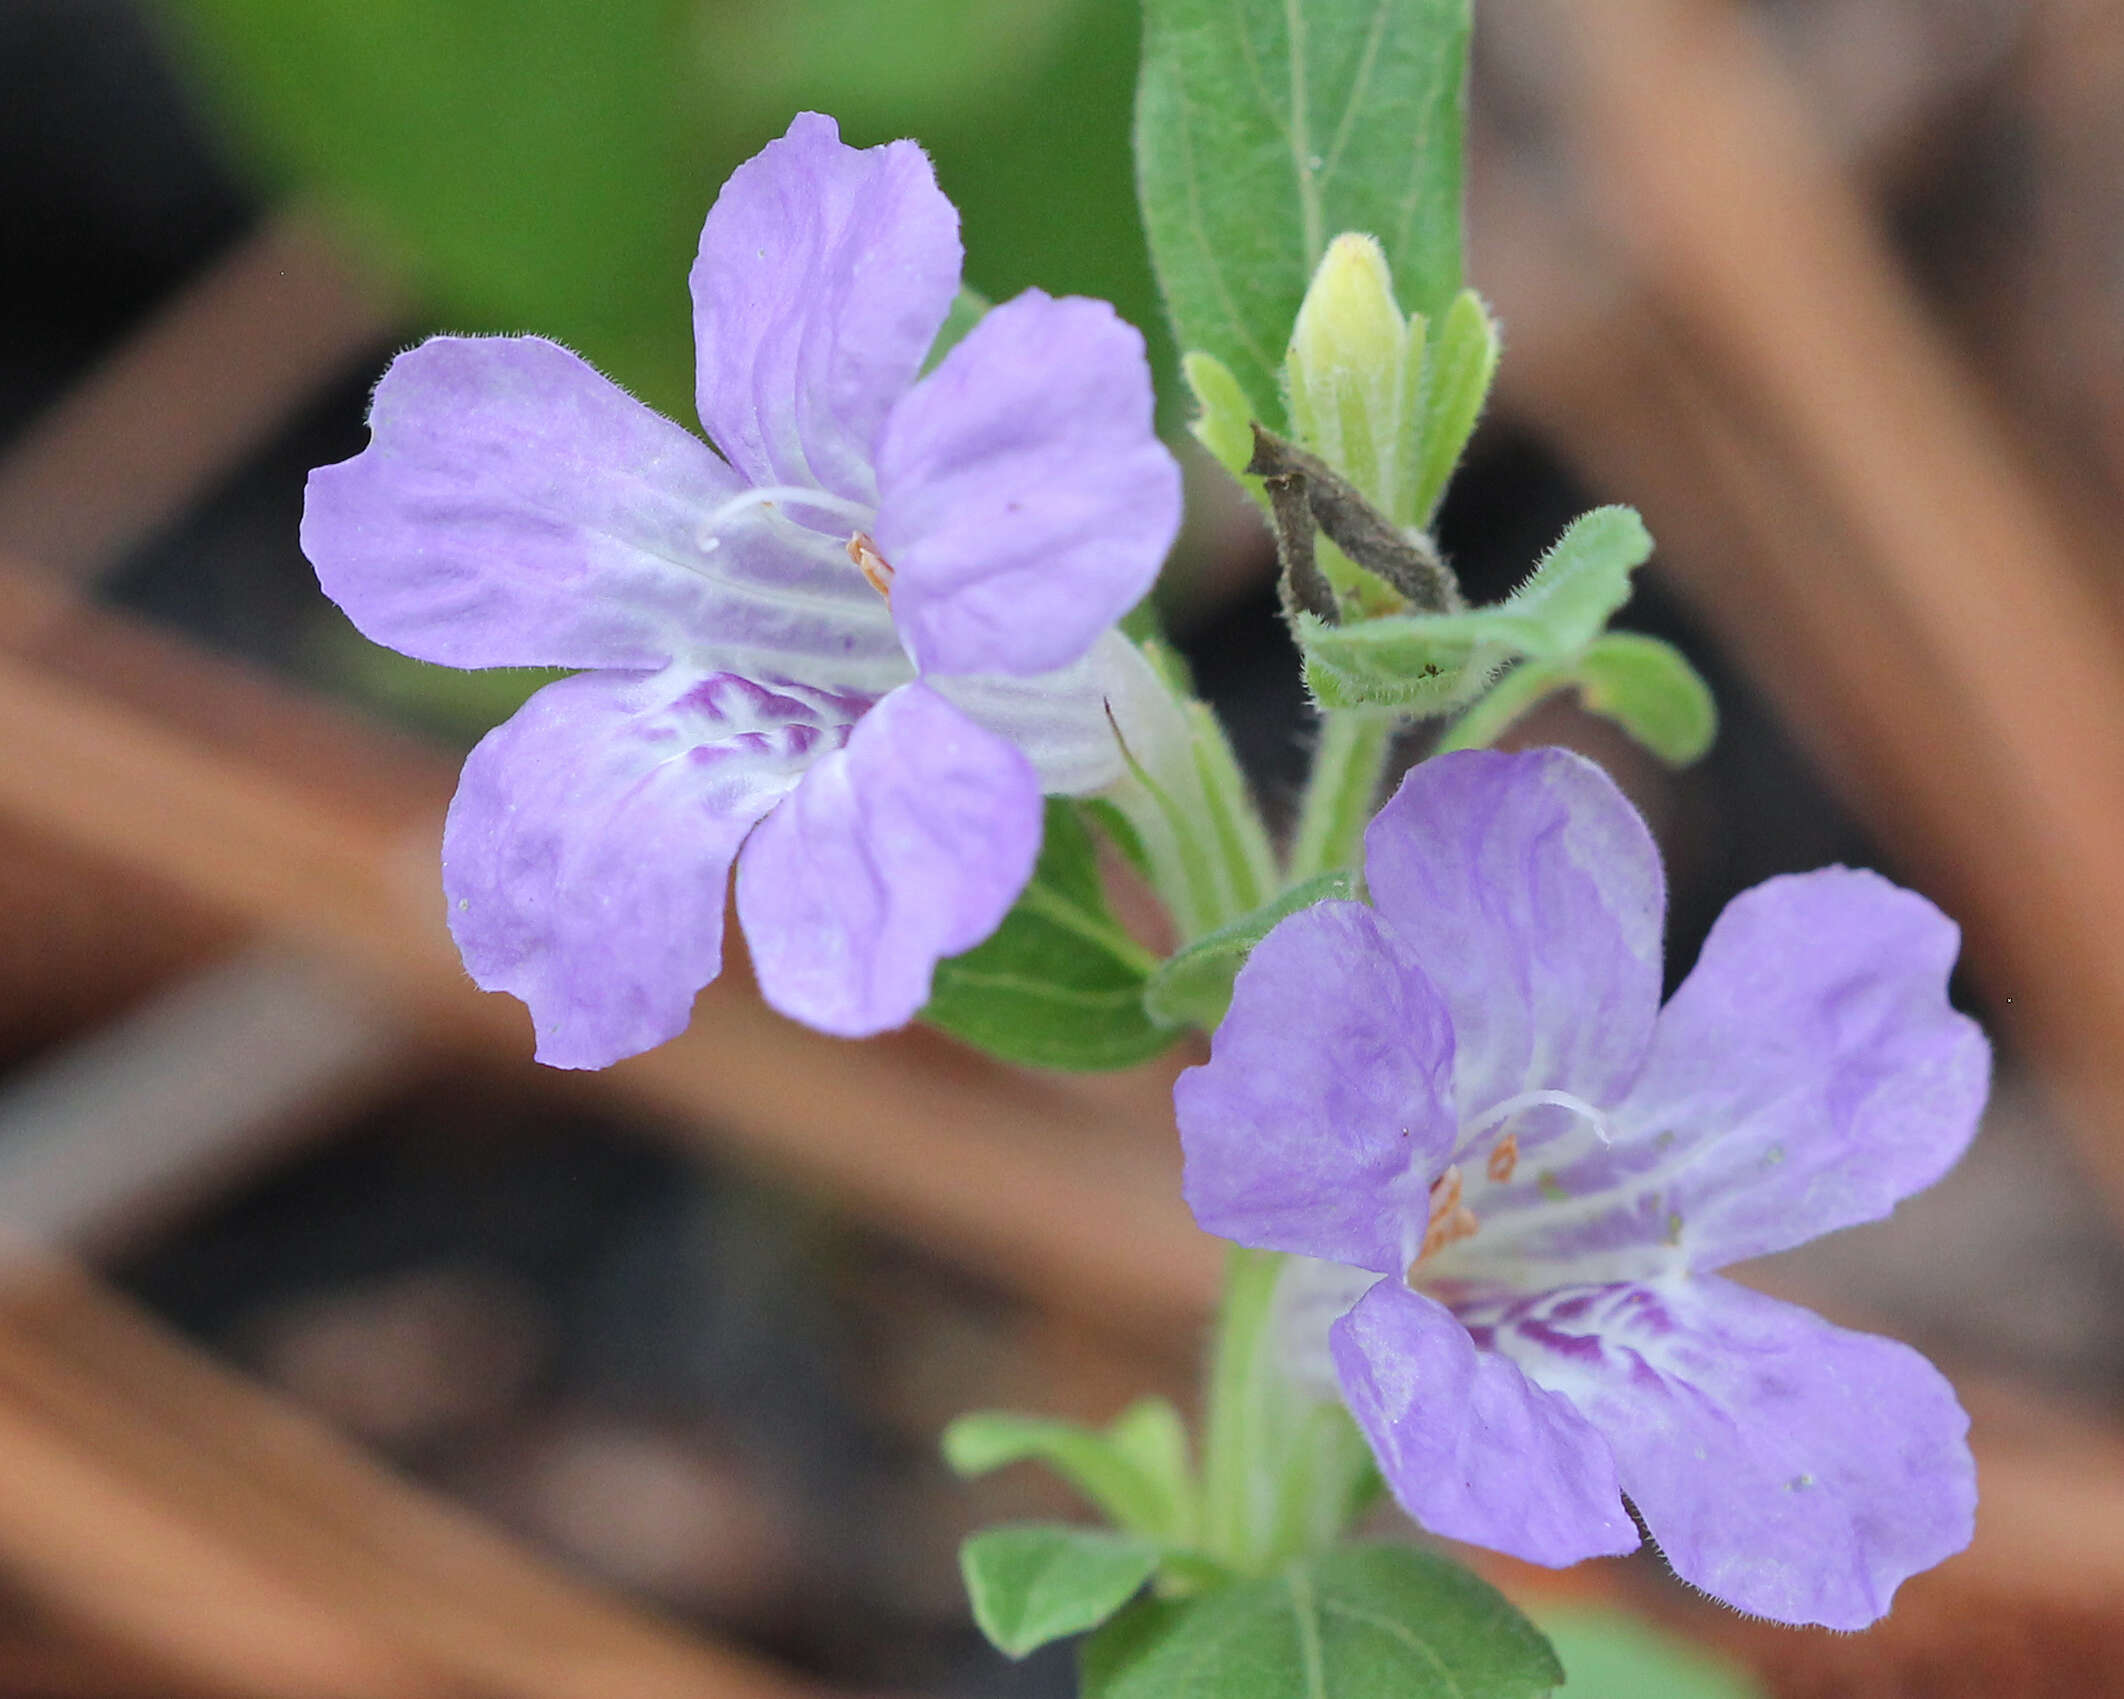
{"x":1059,"y":984}
{"x":1194,"y":988}
{"x":1187,"y":801}
{"x":1033,"y":1582}
{"x":1356,"y":1622}
{"x":1434,"y":663}
{"x":1459,"y":363}
{"x":1136,"y":1470}
{"x":1649,"y":689}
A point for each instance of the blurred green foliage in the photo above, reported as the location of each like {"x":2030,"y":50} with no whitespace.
{"x":544,"y":165}
{"x":527,"y":164}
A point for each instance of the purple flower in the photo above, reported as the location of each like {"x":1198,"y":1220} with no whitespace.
{"x":1468,"y":1097}
{"x":860,"y":643}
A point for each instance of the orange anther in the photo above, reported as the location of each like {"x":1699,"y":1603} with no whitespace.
{"x":1451,"y":1220}
{"x":871,"y":564}
{"x":1503,"y":1159}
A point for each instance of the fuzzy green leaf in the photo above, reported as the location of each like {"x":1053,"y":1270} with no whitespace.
{"x":1397,"y":662}
{"x":1433,"y":663}
{"x":1266,"y":127}
{"x":1357,"y":1622}
{"x":1651,"y":691}
{"x":1136,"y":1471}
{"x":1036,"y":1582}
{"x":1059,"y":984}
{"x":1579,"y":583}
{"x":1643,"y":684}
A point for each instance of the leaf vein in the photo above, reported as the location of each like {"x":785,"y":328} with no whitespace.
{"x":1305,"y":1613}
{"x":1026,"y":985}
{"x":1300,"y":134}
{"x":1395,"y":1631}
{"x":1198,"y":229}
{"x":1360,"y":85}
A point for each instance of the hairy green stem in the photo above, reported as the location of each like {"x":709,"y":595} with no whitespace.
{"x":1237,"y":1488}
{"x":1492,"y":714}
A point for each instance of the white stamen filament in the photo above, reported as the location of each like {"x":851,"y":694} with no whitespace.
{"x":766,"y":496}
{"x":1596,"y":1119}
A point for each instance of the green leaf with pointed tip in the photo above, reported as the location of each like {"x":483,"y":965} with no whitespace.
{"x":1357,"y":1622}
{"x":1059,"y":984}
{"x":1133,"y":1471}
{"x":1031,"y":1583}
{"x":1194,"y":988}
{"x":1151,"y":1435}
{"x":1580,"y":582}
{"x":1650,"y":690}
{"x":1433,"y":663}
{"x":1419,"y":672}
{"x":1266,"y":127}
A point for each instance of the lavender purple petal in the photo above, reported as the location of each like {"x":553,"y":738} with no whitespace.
{"x":1063,"y":721}
{"x":1794,"y":1469}
{"x":1024,"y":499}
{"x":1809,"y":1074}
{"x":514,"y":508}
{"x":1531,"y":894}
{"x":586,"y":853}
{"x":1471,"y":1448}
{"x":824,"y":274}
{"x":1321,"y":1116}
{"x":906,"y":846}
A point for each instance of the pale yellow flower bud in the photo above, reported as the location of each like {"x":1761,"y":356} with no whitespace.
{"x":1345,"y":366}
